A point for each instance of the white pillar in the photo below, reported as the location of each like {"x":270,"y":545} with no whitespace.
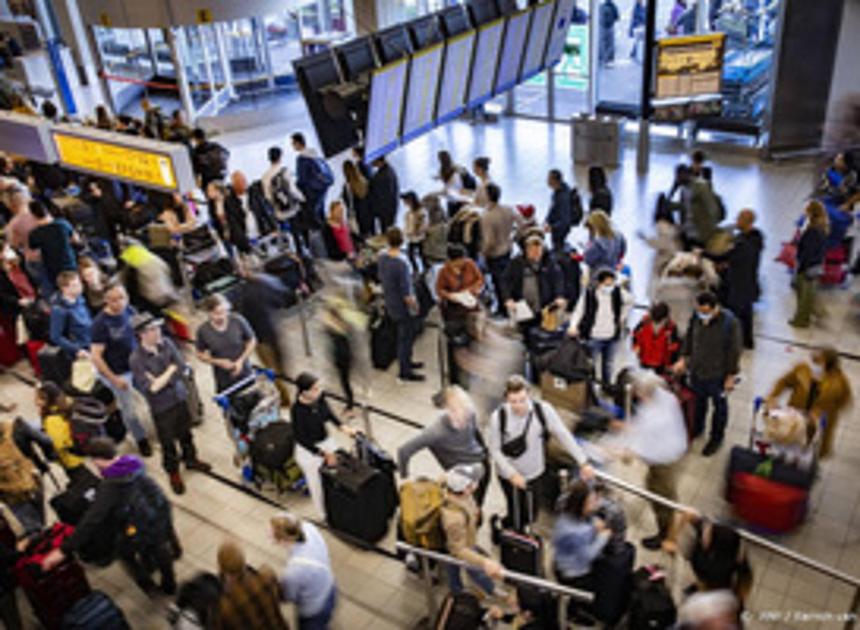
{"x":179,"y":54}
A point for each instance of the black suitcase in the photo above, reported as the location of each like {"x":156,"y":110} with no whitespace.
{"x":356,"y":498}
{"x":748,"y":461}
{"x":613,"y":582}
{"x":383,"y":341}
{"x":71,"y":504}
{"x":651,"y":606}
{"x":96,"y":611}
{"x":371,"y":453}
{"x":460,"y":611}
{"x":521,"y":551}
{"x":287,"y":269}
{"x":55,"y":365}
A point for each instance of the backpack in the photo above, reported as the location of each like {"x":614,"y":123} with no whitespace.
{"x":321,"y":176}
{"x":213,"y":161}
{"x":468,"y":180}
{"x":651,"y":605}
{"x":17,"y":480}
{"x":286,"y":203}
{"x":576,"y":211}
{"x":421,"y":513}
{"x":145,"y":517}
{"x":86,"y":421}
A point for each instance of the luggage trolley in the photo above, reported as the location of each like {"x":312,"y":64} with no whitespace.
{"x":264,"y":442}
{"x":769,"y":481}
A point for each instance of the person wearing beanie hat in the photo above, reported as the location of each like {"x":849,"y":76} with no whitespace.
{"x":158,"y":373}
{"x":249,"y":598}
{"x":460,"y":519}
{"x":113,"y":522}
{"x":314,"y":446}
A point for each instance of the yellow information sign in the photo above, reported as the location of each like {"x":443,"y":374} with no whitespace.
{"x":204,"y":16}
{"x":690,"y":66}
{"x":146,"y":168}
{"x":104,"y":20}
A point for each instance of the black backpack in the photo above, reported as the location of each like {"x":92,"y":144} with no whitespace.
{"x":212,"y":162}
{"x":145,"y":517}
{"x":651,"y":606}
{"x":285,"y":200}
{"x":87,"y":421}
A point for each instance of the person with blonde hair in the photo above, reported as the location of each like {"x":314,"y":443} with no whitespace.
{"x":454,"y":439}
{"x":307,"y":579}
{"x":811,"y":248}
{"x":606,"y":247}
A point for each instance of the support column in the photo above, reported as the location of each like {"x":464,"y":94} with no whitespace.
{"x":178,"y":55}
{"x":225,"y":61}
{"x":368,"y":16}
{"x":643,"y":149}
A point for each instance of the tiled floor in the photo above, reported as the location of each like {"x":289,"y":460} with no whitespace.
{"x":375,"y":591}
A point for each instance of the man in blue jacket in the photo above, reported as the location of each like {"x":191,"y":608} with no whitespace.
{"x":70,"y":318}
{"x":560,"y":218}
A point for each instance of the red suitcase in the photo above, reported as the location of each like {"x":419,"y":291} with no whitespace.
{"x":767,"y":504}
{"x":52,"y":593}
{"x":835,"y":268}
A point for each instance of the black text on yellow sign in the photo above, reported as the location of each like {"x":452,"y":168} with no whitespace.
{"x":143,"y":167}
{"x":204,"y":16}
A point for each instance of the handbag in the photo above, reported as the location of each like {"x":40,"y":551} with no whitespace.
{"x":788,"y":255}
{"x":550,"y":318}
{"x":83,"y":375}
{"x":516,"y":447}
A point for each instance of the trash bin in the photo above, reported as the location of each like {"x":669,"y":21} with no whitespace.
{"x":596,"y":140}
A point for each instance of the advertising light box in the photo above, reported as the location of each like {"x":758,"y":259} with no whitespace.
{"x":486,"y":62}
{"x":423,"y":86}
{"x":558,"y":32}
{"x":455,"y":77}
{"x":690,"y":66}
{"x":512,"y":51}
{"x":385,"y":109}
{"x":536,"y":46}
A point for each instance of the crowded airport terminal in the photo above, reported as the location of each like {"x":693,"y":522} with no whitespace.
{"x":429,"y":314}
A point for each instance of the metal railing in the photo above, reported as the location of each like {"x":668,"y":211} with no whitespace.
{"x":425,"y":556}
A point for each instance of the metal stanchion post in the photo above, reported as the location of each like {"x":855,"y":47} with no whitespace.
{"x":303,"y":319}
{"x":441,"y":356}
{"x":851,"y":619}
{"x":365,"y":417}
{"x":428,"y":588}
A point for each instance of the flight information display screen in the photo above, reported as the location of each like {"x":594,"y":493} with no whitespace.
{"x":512,"y":51}
{"x":558,"y":32}
{"x":534,"y":54}
{"x":385,"y":109}
{"x":455,"y":76}
{"x":486,"y":62}
{"x":423,"y":86}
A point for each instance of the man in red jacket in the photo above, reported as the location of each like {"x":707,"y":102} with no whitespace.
{"x":655,"y":339}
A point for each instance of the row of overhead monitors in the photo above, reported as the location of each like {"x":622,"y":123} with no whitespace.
{"x":482,"y":49}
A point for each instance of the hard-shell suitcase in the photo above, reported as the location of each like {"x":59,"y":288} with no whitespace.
{"x":613,"y":582}
{"x":459,"y":611}
{"x":96,"y":611}
{"x":51,"y":593}
{"x":520,"y":550}
{"x":375,"y":456}
{"x":383,"y":341}
{"x":745,"y":460}
{"x":356,"y":498}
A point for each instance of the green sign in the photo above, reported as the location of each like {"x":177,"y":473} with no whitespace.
{"x":571,"y":73}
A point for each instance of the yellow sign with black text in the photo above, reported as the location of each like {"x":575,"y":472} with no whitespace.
{"x":146,"y":168}
{"x":204,"y":16}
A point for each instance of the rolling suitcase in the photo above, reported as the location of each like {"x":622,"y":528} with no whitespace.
{"x":96,"y":611}
{"x":51,"y":593}
{"x":356,"y":498}
{"x":372,"y":454}
{"x":651,"y":605}
{"x":613,"y":582}
{"x":521,"y":551}
{"x":383,"y":341}
{"x":769,"y":505}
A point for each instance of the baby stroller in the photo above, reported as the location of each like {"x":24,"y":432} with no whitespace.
{"x":264,"y":442}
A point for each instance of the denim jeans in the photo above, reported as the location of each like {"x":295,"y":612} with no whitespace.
{"x":405,"y":340}
{"x":605,"y":348}
{"x":125,"y":401}
{"x":455,"y":578}
{"x":713,"y":390}
{"x":321,"y":620}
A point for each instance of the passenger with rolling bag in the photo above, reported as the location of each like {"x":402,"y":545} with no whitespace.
{"x":314,"y":447}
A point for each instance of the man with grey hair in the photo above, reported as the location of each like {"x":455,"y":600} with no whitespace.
{"x":657,"y":435}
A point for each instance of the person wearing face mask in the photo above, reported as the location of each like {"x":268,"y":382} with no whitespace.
{"x":711,"y":354}
{"x":600,"y":318}
{"x":453,"y":439}
{"x":314,"y":446}
{"x":818,"y":387}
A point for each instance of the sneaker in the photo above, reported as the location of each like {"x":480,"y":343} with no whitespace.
{"x":144,"y":448}
{"x":653,"y":542}
{"x":711,"y":447}
{"x":176,"y":483}
{"x":198,"y":466}
{"x":416,"y":365}
{"x":413,"y":378}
